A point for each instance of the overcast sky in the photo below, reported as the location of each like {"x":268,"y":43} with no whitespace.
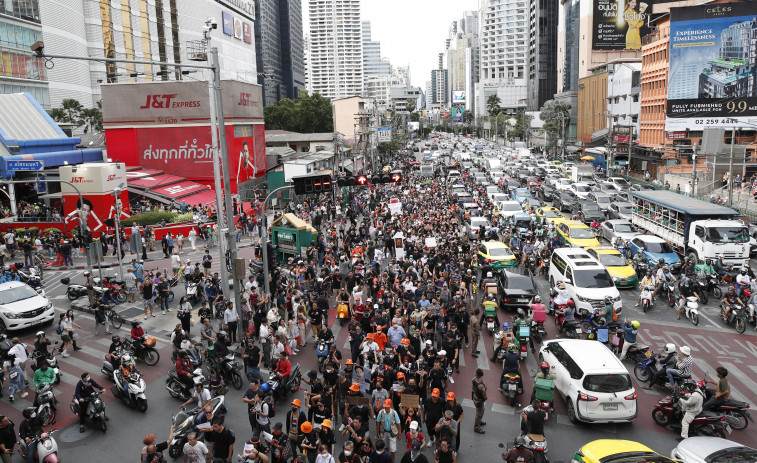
{"x":411,"y":32}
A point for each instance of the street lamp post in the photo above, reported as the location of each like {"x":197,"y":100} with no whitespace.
{"x":730,"y":168}
{"x":116,"y":193}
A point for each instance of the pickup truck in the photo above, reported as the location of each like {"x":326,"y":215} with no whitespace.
{"x":697,"y":229}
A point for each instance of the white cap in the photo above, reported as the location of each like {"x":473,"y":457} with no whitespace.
{"x":428,"y":342}
{"x":413,"y":425}
{"x":685,"y":350}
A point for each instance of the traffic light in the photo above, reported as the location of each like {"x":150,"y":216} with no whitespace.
{"x":387,"y":177}
{"x":312,"y":184}
{"x":353,"y":180}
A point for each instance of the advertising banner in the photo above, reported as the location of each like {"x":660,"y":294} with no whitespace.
{"x":247,"y":32}
{"x":619,"y":24}
{"x":458,"y":97}
{"x":413,"y":126}
{"x":238,"y":29}
{"x":677,"y":135}
{"x":384,"y":134}
{"x":713,"y":67}
{"x":228,"y":23}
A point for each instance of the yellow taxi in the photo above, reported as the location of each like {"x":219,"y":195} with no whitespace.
{"x":576,"y":234}
{"x":497,"y":255}
{"x":551,"y":214}
{"x":618,"y":451}
{"x":622,"y":273}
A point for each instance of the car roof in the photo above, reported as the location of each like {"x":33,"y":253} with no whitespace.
{"x":619,"y":221}
{"x":650,"y":238}
{"x":589,"y":349}
{"x":605,"y":250}
{"x":575,"y":224}
{"x":495,"y":244}
{"x":11,"y":284}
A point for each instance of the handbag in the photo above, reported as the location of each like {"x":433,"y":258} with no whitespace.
{"x":288,"y":350}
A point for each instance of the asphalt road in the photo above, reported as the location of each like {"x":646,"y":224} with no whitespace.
{"x":712,"y":344}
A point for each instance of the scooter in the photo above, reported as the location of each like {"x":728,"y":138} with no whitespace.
{"x":184,"y":423}
{"x":736,"y":317}
{"x":193,"y":295}
{"x":46,"y":405}
{"x":46,"y":450}
{"x":524,"y":336}
{"x":291,"y":386}
{"x":637,"y":352}
{"x":135,"y":397}
{"x":544,"y":390}
{"x":691,"y":310}
{"x":144,"y":348}
{"x":95,"y":412}
{"x":669,"y":293}
{"x":52,"y":362}
{"x":74,"y":291}
{"x":667,"y":414}
{"x":537,"y":443}
{"x":646,"y":299}
{"x":230,"y":371}
{"x":343,"y":313}
{"x":179,"y":390}
{"x":322,"y":349}
{"x":511,"y":387}
{"x":646,"y":369}
{"x":736,"y":412}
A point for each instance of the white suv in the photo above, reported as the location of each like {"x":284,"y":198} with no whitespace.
{"x":22,"y":307}
{"x":587,"y":281}
{"x":593,"y":382}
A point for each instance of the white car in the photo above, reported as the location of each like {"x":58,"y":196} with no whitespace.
{"x":701,"y":449}
{"x":508,"y":208}
{"x":563,"y":184}
{"x":581,"y":190}
{"x":593,"y":382}
{"x":587,"y":281}
{"x":23,"y":307}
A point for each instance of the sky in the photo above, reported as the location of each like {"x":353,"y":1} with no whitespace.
{"x":411,"y":32}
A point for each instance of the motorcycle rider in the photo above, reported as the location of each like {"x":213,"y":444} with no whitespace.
{"x":718,"y":397}
{"x":691,"y":406}
{"x":511,"y":366}
{"x":519,"y":454}
{"x":720,"y":267}
{"x":682,"y":367}
{"x":630,"y":330}
{"x":184,"y":369}
{"x":560,"y":296}
{"x":41,"y":344}
{"x":731,"y":299}
{"x":538,"y":310}
{"x":606,"y":312}
{"x":284,"y":368}
{"x":543,"y":373}
{"x":84,"y":390}
{"x":127,"y":369}
{"x":664,"y":277}
{"x":522,"y":320}
{"x":28,"y":430}
{"x":647,"y":281}
{"x":706,"y":268}
{"x":569,"y":315}
{"x":742,"y":281}
{"x":669,"y":359}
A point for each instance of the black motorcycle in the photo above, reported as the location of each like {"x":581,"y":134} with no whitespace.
{"x":95,"y":410}
{"x":229,"y":369}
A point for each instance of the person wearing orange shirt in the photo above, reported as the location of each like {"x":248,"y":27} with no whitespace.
{"x":380,"y":338}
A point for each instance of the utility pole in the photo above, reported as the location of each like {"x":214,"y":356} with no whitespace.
{"x":116,"y":193}
{"x":730,"y":168}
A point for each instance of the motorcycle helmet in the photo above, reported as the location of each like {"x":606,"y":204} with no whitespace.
{"x":198,"y":382}
{"x":489,"y":275}
{"x":560,"y":285}
{"x":689,"y":386}
{"x":537,"y":299}
{"x":635,"y":324}
{"x":126,"y":358}
{"x":30,"y":413}
{"x":520,"y":442}
{"x":665,"y":268}
{"x":521,"y":313}
{"x":40,"y":334}
{"x":265,"y":387}
{"x":505,"y":326}
{"x":511,"y":347}
{"x":731,"y":290}
{"x":86,"y":274}
{"x":571,"y":303}
{"x":670,"y":348}
{"x":221,"y":335}
{"x":608,"y":300}
{"x":544,"y":366}
{"x":743,"y":271}
{"x":115,"y":338}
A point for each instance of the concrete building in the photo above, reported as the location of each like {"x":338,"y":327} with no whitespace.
{"x":592,"y":108}
{"x":503,"y":37}
{"x":427,"y":101}
{"x":542,"y":52}
{"x":654,"y":85}
{"x":373,"y":64}
{"x":399,"y":96}
{"x":623,"y":94}
{"x":463,"y":58}
{"x":346,"y":112}
{"x":336,"y":48}
{"x":141,"y":30}
{"x":279,"y":49}
{"x":20,"y":70}
{"x":439,"y":83}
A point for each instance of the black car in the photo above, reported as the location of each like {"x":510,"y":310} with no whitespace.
{"x":510,"y":184}
{"x":545,"y":193}
{"x":515,"y":289}
{"x":564,"y":200}
{"x":590,"y":210}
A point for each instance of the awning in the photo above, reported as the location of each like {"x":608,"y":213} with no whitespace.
{"x":181,"y":189}
{"x":134,"y":174}
{"x":206,"y":197}
{"x":154,"y":182}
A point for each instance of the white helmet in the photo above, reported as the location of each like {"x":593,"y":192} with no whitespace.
{"x":126,"y":358}
{"x":670,"y":348}
{"x":489,"y":275}
{"x":40,"y":334}
{"x":685,"y":350}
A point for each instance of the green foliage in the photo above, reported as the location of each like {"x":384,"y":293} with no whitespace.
{"x":388,"y":147}
{"x":306,"y":114}
{"x":183,"y":217}
{"x":468,"y":116}
{"x":72,"y":112}
{"x":47,"y":231}
{"x":556,"y":117}
{"x":149,"y":218}
{"x":415,"y":117}
{"x":493,"y":104}
{"x":410,"y":105}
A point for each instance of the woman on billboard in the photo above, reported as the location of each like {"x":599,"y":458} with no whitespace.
{"x":246,"y":163}
{"x":634,"y":17}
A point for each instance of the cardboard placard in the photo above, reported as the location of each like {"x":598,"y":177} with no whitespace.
{"x":354,"y":400}
{"x":410,"y":400}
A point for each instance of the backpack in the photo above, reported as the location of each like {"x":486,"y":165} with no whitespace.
{"x":59,"y":330}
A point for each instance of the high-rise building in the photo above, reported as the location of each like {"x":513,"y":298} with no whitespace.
{"x":336,"y":48}
{"x":150,"y":30}
{"x":20,"y":70}
{"x":503,"y":38}
{"x":279,"y":49}
{"x":439,"y":84}
{"x":373,"y":64}
{"x":542,"y":52}
{"x":462,"y":58}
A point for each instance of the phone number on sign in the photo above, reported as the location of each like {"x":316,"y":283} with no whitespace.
{"x":715,"y":121}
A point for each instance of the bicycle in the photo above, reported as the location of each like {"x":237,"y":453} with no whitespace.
{"x":115,"y":318}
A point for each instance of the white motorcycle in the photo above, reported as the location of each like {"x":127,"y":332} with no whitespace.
{"x":46,"y":448}
{"x":135,"y":397}
{"x":691,"y":309}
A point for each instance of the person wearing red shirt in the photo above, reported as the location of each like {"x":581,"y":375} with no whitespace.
{"x":184,"y":368}
{"x":284,"y":368}
{"x":136,"y":331}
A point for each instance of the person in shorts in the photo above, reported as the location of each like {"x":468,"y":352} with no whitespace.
{"x":148,"y":299}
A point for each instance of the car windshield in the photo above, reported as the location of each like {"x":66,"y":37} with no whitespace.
{"x":621,"y":182}
{"x":591,"y":207}
{"x":612,"y":260}
{"x":479,"y":222}
{"x":568,"y":197}
{"x":734,"y":455}
{"x":581,"y":233}
{"x":604,"y":199}
{"x":583,"y":188}
{"x":624,"y":228}
{"x":727,"y":234}
{"x":511,"y":207}
{"x":551,"y":214}
{"x":522,"y":192}
{"x":598,"y":278}
{"x":637,"y":457}
{"x":619,"y":382}
{"x":625,"y":210}
{"x":659,"y":248}
{"x":500,"y":252}
{"x":19,"y":293}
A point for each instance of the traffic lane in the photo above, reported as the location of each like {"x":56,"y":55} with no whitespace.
{"x":89,"y":359}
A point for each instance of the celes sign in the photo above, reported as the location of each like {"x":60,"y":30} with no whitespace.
{"x":166,"y":102}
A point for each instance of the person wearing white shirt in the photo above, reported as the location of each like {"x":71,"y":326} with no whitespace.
{"x":19,"y":350}
{"x":193,"y":237}
{"x":175,"y":262}
{"x":231,"y":318}
{"x":742,"y":281}
{"x":194,"y":451}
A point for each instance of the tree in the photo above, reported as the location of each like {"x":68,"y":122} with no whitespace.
{"x":493,"y":104}
{"x":415,"y":117}
{"x":306,"y":114}
{"x":72,"y":110}
{"x":468,"y":116}
{"x":556,"y":117}
{"x":410,"y":105}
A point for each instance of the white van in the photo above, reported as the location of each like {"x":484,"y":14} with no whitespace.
{"x":453,"y":176}
{"x":593,"y":382}
{"x":587,"y":281}
{"x":492,"y":163}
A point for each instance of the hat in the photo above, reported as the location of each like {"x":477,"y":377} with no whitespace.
{"x":450,"y":396}
{"x":296,"y":403}
{"x":340,"y":373}
{"x":405,"y":341}
{"x":369,"y":336}
{"x":428,"y":342}
{"x":348,"y":362}
{"x":435,"y":392}
{"x":388,"y":403}
{"x":416,"y":445}
{"x":414,"y":425}
{"x":355,"y":387}
{"x":326,"y":424}
{"x":306,"y":427}
{"x":278,"y":426}
{"x":685,"y":350}
{"x":401,"y":375}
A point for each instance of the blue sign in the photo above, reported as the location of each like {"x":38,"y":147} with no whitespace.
{"x":228,"y":23}
{"x":24,"y":165}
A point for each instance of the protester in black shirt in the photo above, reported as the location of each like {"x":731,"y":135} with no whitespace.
{"x":222,"y":440}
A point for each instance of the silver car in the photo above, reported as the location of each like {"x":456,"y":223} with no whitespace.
{"x":702,"y":449}
{"x":474,"y":225}
{"x":611,"y":229}
{"x":620,"y":210}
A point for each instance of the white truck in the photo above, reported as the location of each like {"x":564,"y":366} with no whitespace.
{"x":583,"y":173}
{"x":697,"y":229}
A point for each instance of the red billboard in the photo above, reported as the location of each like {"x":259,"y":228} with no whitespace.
{"x":677,"y":135}
{"x":618,"y":138}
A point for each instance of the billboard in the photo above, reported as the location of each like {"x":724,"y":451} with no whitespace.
{"x":458,"y":97}
{"x":713,"y":68}
{"x":384,"y":134}
{"x":228,"y":23}
{"x":238,"y":29}
{"x":619,"y":24}
{"x":96,"y":182}
{"x":247,"y":32}
{"x":413,"y":126}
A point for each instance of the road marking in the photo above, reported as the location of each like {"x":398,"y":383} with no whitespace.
{"x":502,"y":408}
{"x":93,"y":352}
{"x":482,"y":361}
{"x":461,"y":357}
{"x":68,"y":378}
{"x":78,"y":363}
{"x":748,"y":382}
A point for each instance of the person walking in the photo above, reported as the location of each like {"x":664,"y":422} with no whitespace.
{"x":8,"y":439}
{"x":475,"y":328}
{"x":231,"y":319}
{"x":478,"y":395}
{"x":193,"y":238}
